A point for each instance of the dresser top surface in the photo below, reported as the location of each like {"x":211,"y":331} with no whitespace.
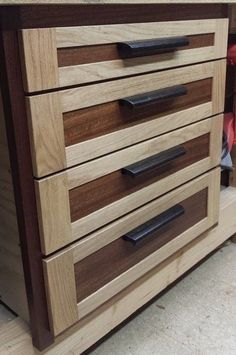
{"x":101,"y":2}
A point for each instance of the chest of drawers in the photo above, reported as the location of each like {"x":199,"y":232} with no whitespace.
{"x":110,"y":152}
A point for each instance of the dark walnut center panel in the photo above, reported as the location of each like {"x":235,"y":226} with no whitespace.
{"x":101,"y":192}
{"x":100,"y":53}
{"x":109,"y":262}
{"x":85,"y":124}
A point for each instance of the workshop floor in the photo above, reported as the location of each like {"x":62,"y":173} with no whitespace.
{"x":197,"y":316}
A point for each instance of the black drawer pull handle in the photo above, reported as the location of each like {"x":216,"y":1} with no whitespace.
{"x":145,"y":165}
{"x":151,"y":226}
{"x":150,"y":46}
{"x":153,"y":97}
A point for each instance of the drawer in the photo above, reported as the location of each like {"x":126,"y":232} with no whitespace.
{"x":73,"y":126}
{"x":82,"y":277}
{"x":74,"y":203}
{"x":66,"y":56}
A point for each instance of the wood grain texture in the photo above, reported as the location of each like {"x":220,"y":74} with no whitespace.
{"x":146,"y":262}
{"x":95,"y":121}
{"x":216,"y":142}
{"x":8,"y":225}
{"x":214,"y":197}
{"x":101,"y":71}
{"x":94,"y":35}
{"x":103,"y":191}
{"x":118,"y":208}
{"x":91,"y":35}
{"x":105,"y":215}
{"x":12,"y":282}
{"x":46,"y":134}
{"x":221,"y":37}
{"x":100,"y":145}
{"x":39,"y":59}
{"x":61,"y":292}
{"x":125,"y":279}
{"x":108,"y":143}
{"x":118,"y":256}
{"x":189,"y":254}
{"x":96,"y":135}
{"x":82,"y":97}
{"x":24,"y":193}
{"x":30,"y":16}
{"x":232,"y":19}
{"x":21,"y":141}
{"x":119,"y":307}
{"x":53,"y":212}
{"x":88,"y":2}
{"x":107,"y":164}
{"x":99,"y":53}
{"x":97,"y":219}
{"x":35,"y":43}
{"x":218,"y":88}
{"x":110,"y":232}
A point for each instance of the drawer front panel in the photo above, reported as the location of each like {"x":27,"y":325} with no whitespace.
{"x":99,"y":120}
{"x":101,"y":192}
{"x":114,"y":263}
{"x":76,"y":202}
{"x":78,"y":55}
{"x":71,"y":56}
{"x":74,"y":126}
{"x":117,"y":257}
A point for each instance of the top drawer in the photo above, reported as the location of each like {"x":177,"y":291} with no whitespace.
{"x":66,"y":56}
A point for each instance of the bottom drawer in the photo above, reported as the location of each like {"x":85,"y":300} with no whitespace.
{"x":87,"y":274}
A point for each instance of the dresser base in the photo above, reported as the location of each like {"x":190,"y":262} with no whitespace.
{"x":107,"y":317}
{"x":83,"y":335}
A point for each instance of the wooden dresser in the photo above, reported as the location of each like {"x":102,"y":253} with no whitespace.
{"x":110,"y":145}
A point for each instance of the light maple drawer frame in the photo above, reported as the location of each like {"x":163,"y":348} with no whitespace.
{"x":40,"y":59}
{"x":45,"y":115}
{"x":53,"y":201}
{"x":59,"y":269}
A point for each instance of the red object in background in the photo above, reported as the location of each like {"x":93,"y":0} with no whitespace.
{"x":231,"y":55}
{"x":229,"y":129}
{"x":230,"y":118}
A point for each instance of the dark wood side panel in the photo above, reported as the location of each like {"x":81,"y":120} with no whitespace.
{"x":101,"y":192}
{"x":28,"y":16}
{"x":16,"y":126}
{"x":102,"y":119}
{"x":103,"y":266}
{"x":100,"y":53}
